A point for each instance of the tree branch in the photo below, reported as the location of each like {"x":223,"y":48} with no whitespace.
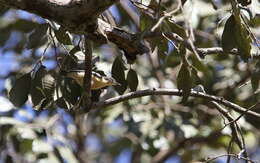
{"x":76,"y":15}
{"x":173,"y":92}
{"x":88,"y":73}
{"x":234,"y":128}
{"x":81,"y":17}
{"x":203,"y":52}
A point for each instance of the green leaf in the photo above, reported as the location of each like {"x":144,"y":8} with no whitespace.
{"x":37,"y":36}
{"x":42,"y":88}
{"x":118,"y":73}
{"x":132,"y":80}
{"x":228,"y":40}
{"x":18,"y":95}
{"x":184,"y":80}
{"x":146,"y":21}
{"x":234,"y":35}
{"x":199,"y":65}
{"x":160,"y":47}
{"x":70,"y":90}
{"x":175,"y":28}
{"x":36,"y":93}
{"x":63,"y":37}
{"x":173,"y":59}
{"x":243,"y":41}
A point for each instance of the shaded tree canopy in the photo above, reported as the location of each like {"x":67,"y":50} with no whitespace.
{"x":187,"y":71}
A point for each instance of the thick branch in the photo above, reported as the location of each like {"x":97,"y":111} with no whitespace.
{"x":81,"y":17}
{"x":76,"y":15}
{"x":173,"y":92}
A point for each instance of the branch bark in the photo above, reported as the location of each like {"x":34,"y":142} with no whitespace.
{"x":203,"y":52}
{"x":173,"y":92}
{"x":88,"y":73}
{"x":81,"y":17}
{"x":76,"y":15}
{"x":239,"y":139}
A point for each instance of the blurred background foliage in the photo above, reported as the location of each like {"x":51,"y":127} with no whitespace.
{"x":41,"y":126}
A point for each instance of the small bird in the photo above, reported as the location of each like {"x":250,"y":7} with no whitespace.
{"x":97,"y":81}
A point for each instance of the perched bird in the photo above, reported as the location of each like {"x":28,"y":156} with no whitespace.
{"x":97,"y":81}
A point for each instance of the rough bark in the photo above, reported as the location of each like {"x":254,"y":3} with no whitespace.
{"x":76,"y":15}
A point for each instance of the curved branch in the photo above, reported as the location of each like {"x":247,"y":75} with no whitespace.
{"x":173,"y":92}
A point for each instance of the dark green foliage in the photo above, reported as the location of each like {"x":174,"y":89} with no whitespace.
{"x":151,"y":128}
{"x":38,"y":36}
{"x":62,"y":36}
{"x":18,"y":95}
{"x":132,"y":80}
{"x":235,"y":35}
{"x":184,"y":80}
{"x":42,"y":88}
{"x":118,"y":73}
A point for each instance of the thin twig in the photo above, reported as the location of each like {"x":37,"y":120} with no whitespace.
{"x":226,"y":155}
{"x":172,"y":92}
{"x":159,"y":22}
{"x":203,"y":52}
{"x":236,"y":130}
{"x":241,"y":115}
